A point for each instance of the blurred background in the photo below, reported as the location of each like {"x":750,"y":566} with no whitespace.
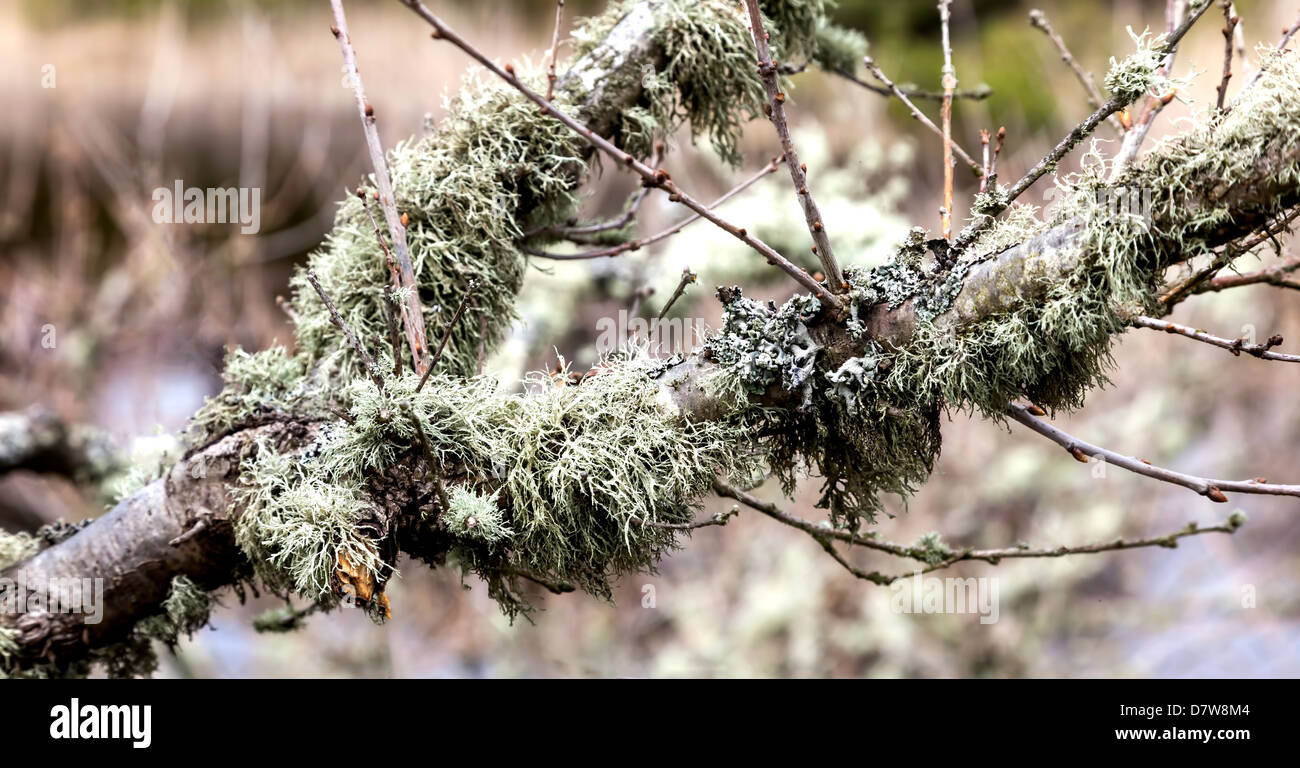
{"x":108,"y":100}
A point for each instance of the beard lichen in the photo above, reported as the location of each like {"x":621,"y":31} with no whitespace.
{"x":564,"y":483}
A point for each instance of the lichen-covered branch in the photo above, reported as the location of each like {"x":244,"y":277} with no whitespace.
{"x":306,"y":476}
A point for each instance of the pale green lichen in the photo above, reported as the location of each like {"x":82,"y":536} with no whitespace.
{"x":471,"y":515}
{"x":296,"y":523}
{"x":186,"y":610}
{"x":16,"y":547}
{"x":1136,"y":75}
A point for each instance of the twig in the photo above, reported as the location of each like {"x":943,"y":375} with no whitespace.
{"x":1230,"y":23}
{"x":394,"y":335}
{"x":719,"y":519}
{"x":1235,"y":346}
{"x":1277,"y":275}
{"x":658,"y":179}
{"x":775,"y":110}
{"x":917,"y":114}
{"x":435,"y":468}
{"x":555,"y":50}
{"x":1137,"y":133}
{"x":997,"y":151}
{"x":984,"y":143}
{"x":446,"y":335}
{"x":1287,"y":34}
{"x":972,"y":94}
{"x":412,"y":311}
{"x":482,"y":340}
{"x":635,"y":245}
{"x":945,"y":112}
{"x":688,"y":277}
{"x":992,"y":556}
{"x":1038,"y":19}
{"x":366,"y":360}
{"x":582,"y":234}
{"x":554,"y":587}
{"x":1211,"y":489}
{"x":1048,"y":163}
{"x":1197,"y":283}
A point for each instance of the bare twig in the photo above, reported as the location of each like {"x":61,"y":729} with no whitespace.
{"x":1048,"y":163}
{"x":1038,"y":19}
{"x":879,"y":74}
{"x":635,"y":245}
{"x":555,"y":50}
{"x":1279,"y":274}
{"x":1199,"y":282}
{"x":584,"y":233}
{"x":412,"y":311}
{"x":984,"y":143}
{"x":775,"y":110}
{"x":446,"y":335}
{"x":972,"y":94}
{"x":992,"y":556}
{"x":945,"y":113}
{"x":1235,"y":346}
{"x":658,"y":179}
{"x":1211,"y":489}
{"x":1230,"y":19}
{"x":688,"y":277}
{"x":347,"y":330}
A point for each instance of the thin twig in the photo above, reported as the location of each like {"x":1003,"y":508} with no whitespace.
{"x":1279,"y":275}
{"x":1211,"y":489}
{"x":1048,"y":163}
{"x":984,"y":143}
{"x":1230,"y":23}
{"x":1287,"y":34}
{"x":1235,"y":346}
{"x":688,"y":277}
{"x":775,"y":110}
{"x":412,"y":311}
{"x":973,"y":94}
{"x":584,"y":233}
{"x":658,"y":179}
{"x":949,"y":81}
{"x":992,"y":556}
{"x":1197,"y":283}
{"x":435,"y":467}
{"x":1038,"y":20}
{"x":917,"y":114}
{"x":366,"y":360}
{"x":635,"y":245}
{"x":446,"y":335}
{"x":394,"y":335}
{"x":555,"y":50}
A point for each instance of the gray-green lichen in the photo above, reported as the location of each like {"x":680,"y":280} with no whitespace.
{"x":474,"y":516}
{"x":186,"y":610}
{"x":1134,"y":76}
